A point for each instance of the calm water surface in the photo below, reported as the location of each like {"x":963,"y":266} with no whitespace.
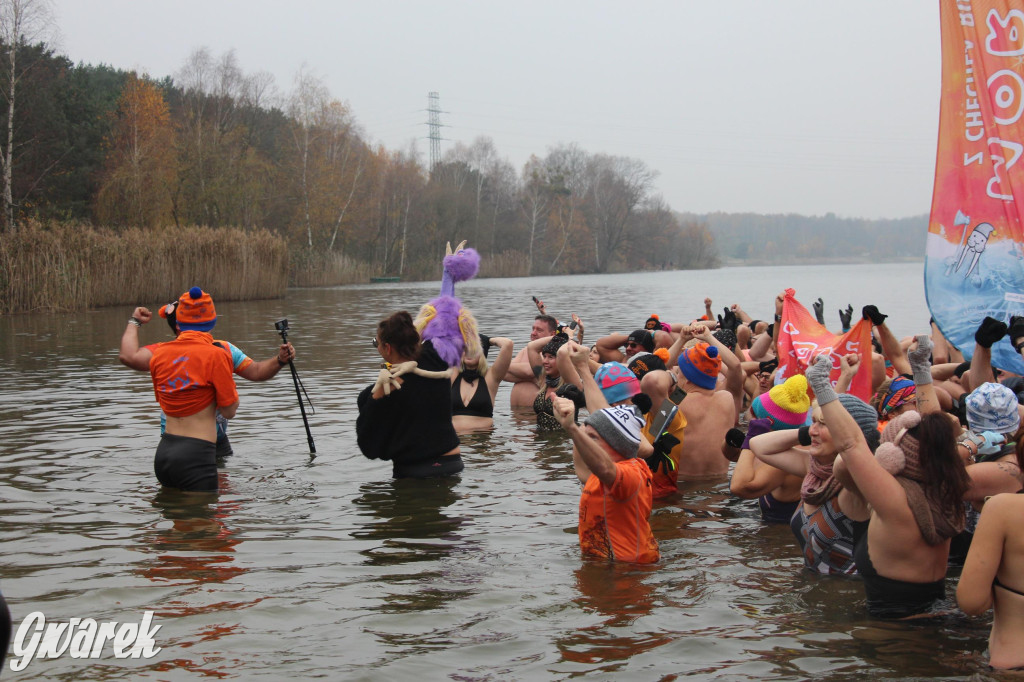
{"x":326,"y":568}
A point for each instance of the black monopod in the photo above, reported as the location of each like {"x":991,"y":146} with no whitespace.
{"x":282,"y":328}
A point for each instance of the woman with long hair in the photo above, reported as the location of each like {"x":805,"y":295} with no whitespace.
{"x":914,"y":485}
{"x":410,"y":421}
{"x":993,"y":575}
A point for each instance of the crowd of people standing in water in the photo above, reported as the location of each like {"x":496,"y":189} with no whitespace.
{"x":892,"y":491}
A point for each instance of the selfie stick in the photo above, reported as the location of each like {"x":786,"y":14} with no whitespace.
{"x":298,"y":383}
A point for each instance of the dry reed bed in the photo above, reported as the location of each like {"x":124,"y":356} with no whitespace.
{"x":59,"y":267}
{"x":326,"y":269}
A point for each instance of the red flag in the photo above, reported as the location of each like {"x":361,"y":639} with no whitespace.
{"x":801,"y":339}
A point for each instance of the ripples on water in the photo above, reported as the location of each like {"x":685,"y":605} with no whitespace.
{"x":324,"y":567}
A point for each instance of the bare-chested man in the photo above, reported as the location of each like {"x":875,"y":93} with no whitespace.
{"x":709,"y":412}
{"x":520,"y":373}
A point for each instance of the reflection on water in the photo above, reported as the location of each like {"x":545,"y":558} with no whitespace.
{"x":327,"y":568}
{"x":195,"y":543}
{"x":409,"y":519}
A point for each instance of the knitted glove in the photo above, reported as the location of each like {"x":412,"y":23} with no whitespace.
{"x":818,"y":378}
{"x":870,"y":312}
{"x":662,"y":447}
{"x":920,"y":360}
{"x":846,"y":316}
{"x":1016,"y":330}
{"x":990,"y":331}
{"x":755,"y":428}
{"x":819,"y":311}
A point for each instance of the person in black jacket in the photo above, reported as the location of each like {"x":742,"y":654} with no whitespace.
{"x":411,"y":425}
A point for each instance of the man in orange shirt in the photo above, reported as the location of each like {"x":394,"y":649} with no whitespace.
{"x":615,"y":507}
{"x":192,"y":380}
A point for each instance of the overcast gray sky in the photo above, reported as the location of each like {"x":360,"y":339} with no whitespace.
{"x":803,"y":106}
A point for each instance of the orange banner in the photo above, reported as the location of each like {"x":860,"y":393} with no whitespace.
{"x":801,"y":339}
{"x":974,"y":264}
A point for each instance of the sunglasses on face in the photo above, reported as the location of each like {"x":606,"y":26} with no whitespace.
{"x":374,"y":342}
{"x":632,"y":344}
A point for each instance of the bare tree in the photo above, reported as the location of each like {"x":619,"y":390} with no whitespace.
{"x":619,"y":184}
{"x":534,"y":201}
{"x":306,"y":106}
{"x":570,"y":184}
{"x":22,"y":22}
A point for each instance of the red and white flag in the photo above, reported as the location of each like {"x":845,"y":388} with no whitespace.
{"x":801,"y":339}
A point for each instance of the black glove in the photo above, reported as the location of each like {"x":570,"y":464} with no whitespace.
{"x":734,"y":438}
{"x":663,"y":445}
{"x":1016,"y":330}
{"x":870,"y":312}
{"x":803,"y":435}
{"x":728,"y":321}
{"x":573,"y":393}
{"x":990,"y":331}
{"x":846,"y":316}
{"x":768,"y":365}
{"x":819,"y":311}
{"x":485,"y":344}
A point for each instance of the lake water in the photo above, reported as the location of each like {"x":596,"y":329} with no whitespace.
{"x":326,"y":568}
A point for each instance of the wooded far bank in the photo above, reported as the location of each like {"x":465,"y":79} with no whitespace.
{"x":212,"y":146}
{"x":200,"y":176}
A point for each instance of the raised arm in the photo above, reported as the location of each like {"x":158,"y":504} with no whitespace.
{"x":877,"y":485}
{"x":762,"y":344}
{"x":733,"y":372}
{"x":741,"y":313}
{"x":578,"y":360}
{"x":608,"y":347}
{"x":684,"y":335}
{"x":779,"y":448}
{"x":921,"y":367}
{"x":989,"y":332}
{"x":499,"y":369}
{"x":130,"y":354}
{"x":597,"y":460}
{"x":533,"y":354}
{"x":891,"y":347}
{"x":848,"y":365}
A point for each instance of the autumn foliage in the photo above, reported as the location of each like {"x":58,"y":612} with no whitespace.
{"x":214,"y":147}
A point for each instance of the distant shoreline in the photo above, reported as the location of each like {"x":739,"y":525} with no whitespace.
{"x":739,"y":263}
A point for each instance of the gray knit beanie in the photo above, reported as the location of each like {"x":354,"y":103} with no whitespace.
{"x":620,"y":427}
{"x":865,"y":416}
